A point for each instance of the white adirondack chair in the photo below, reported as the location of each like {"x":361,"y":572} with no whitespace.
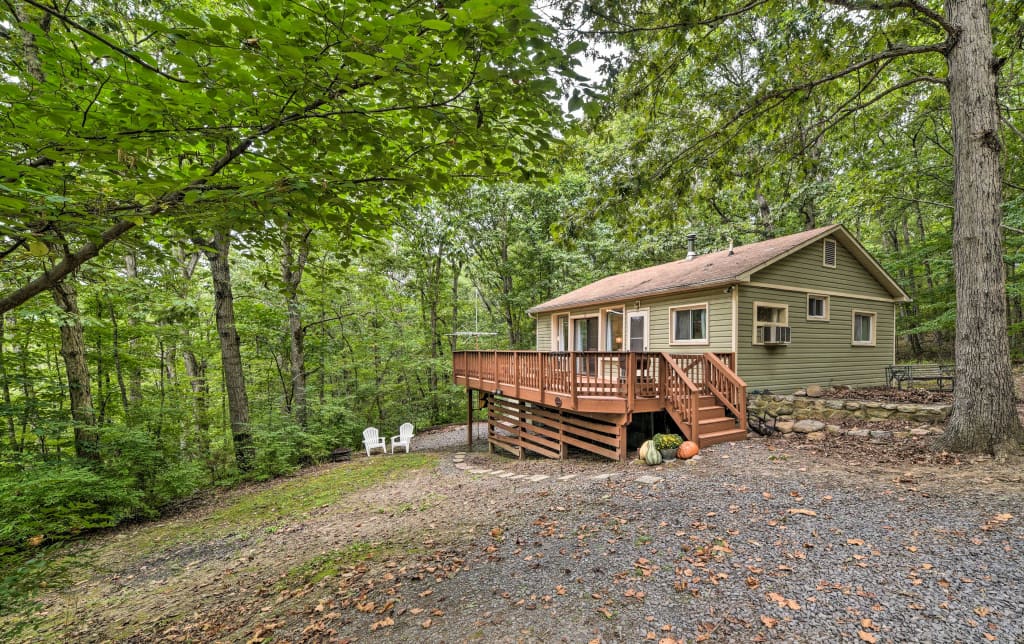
{"x":404,"y":437}
{"x":373,"y":440}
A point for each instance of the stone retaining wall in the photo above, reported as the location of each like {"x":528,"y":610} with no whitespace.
{"x":809,"y":414}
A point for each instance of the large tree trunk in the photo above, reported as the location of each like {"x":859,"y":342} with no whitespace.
{"x":292,"y":265}
{"x":984,"y":415}
{"x":230,"y":350}
{"x":72,"y":349}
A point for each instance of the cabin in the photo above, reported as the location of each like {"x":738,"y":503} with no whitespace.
{"x":677,"y":346}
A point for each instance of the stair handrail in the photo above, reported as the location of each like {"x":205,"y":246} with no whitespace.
{"x":734,"y":392}
{"x":688,"y":409}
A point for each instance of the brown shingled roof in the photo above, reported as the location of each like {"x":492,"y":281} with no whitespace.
{"x":703,"y":271}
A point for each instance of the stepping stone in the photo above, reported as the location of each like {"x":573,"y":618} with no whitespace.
{"x":566,"y":477}
{"x":507,"y":475}
{"x":518,"y":476}
{"x":479,"y":471}
{"x":603,"y":477}
{"x":497,"y":472}
{"x":460,"y":453}
{"x":650,"y":480}
{"x":462,"y":466}
{"x":539,"y":477}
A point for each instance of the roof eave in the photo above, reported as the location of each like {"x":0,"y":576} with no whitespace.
{"x":633,"y":296}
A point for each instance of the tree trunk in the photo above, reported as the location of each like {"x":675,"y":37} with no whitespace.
{"x":984,"y":414}
{"x":292,"y":265}
{"x":230,"y":349}
{"x":72,"y":349}
{"x":117,"y":361}
{"x":195,"y":369}
{"x":135,"y":372}
{"x":5,"y":383}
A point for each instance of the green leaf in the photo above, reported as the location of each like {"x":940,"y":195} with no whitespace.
{"x":436,"y":25}
{"x":576,"y":47}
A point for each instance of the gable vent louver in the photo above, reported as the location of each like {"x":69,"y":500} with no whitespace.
{"x":830,"y":253}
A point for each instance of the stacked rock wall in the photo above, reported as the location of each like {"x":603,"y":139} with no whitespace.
{"x":810,"y":414}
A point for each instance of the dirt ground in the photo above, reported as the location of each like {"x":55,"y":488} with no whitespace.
{"x":445,"y":554}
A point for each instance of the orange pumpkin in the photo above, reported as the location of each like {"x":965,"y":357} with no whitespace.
{"x":688,"y":449}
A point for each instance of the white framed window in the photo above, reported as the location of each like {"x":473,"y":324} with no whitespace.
{"x":828,"y":253}
{"x":689,"y":324}
{"x":817,"y":307}
{"x":560,"y":332}
{"x":613,"y":332}
{"x":864,"y":328}
{"x":768,"y":315}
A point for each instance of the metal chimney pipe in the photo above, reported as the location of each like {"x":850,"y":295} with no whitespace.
{"x":691,"y":241}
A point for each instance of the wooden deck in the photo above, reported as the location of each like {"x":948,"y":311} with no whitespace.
{"x":547,"y":401}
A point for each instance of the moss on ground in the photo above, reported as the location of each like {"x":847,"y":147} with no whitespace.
{"x":286,"y":501}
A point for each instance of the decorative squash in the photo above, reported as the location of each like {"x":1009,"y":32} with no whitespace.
{"x":653,"y":456}
{"x":647,"y":446}
{"x":688,"y":449}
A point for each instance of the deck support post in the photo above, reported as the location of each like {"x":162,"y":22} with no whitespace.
{"x":469,"y":418}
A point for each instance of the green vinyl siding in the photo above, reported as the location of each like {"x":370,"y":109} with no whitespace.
{"x":544,"y":326}
{"x":820,"y":352}
{"x":719,"y":321}
{"x":804,"y":269}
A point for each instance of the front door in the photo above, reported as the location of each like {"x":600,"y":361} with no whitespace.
{"x":637,"y":328}
{"x":585,"y":338}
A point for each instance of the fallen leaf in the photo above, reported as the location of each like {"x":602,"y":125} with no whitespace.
{"x":855,"y":542}
{"x":803,"y":511}
{"x":867,"y":623}
{"x":989,"y":636}
{"x":770,"y":622}
{"x":867,"y":637}
{"x":415,"y":611}
{"x":982,"y":611}
{"x":426,"y":623}
{"x":560,"y":590}
{"x":791,"y":604}
{"x":426,"y":592}
{"x":387,"y":621}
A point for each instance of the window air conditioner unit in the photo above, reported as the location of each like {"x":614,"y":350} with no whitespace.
{"x":773,"y":334}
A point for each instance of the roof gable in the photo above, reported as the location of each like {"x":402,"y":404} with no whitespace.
{"x":714,"y":269}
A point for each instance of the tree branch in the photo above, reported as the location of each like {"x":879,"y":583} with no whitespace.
{"x":71,"y":22}
{"x":912,"y":5}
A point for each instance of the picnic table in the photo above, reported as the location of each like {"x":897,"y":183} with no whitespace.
{"x":898,"y":374}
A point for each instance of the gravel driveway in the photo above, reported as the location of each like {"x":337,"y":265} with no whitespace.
{"x":755,"y":541}
{"x":763,"y":540}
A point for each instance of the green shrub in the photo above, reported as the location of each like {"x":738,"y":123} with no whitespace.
{"x":667,"y":441}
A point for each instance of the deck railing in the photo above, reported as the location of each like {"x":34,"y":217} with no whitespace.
{"x":604,"y":374}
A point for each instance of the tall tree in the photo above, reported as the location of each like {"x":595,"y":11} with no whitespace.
{"x":854,"y":55}
{"x":295,"y":254}
{"x":217,"y":252}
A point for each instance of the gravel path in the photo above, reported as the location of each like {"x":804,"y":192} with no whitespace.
{"x":754,"y":541}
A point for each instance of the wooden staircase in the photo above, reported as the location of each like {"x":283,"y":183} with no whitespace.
{"x":714,"y":425}
{"x":698,"y":392}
